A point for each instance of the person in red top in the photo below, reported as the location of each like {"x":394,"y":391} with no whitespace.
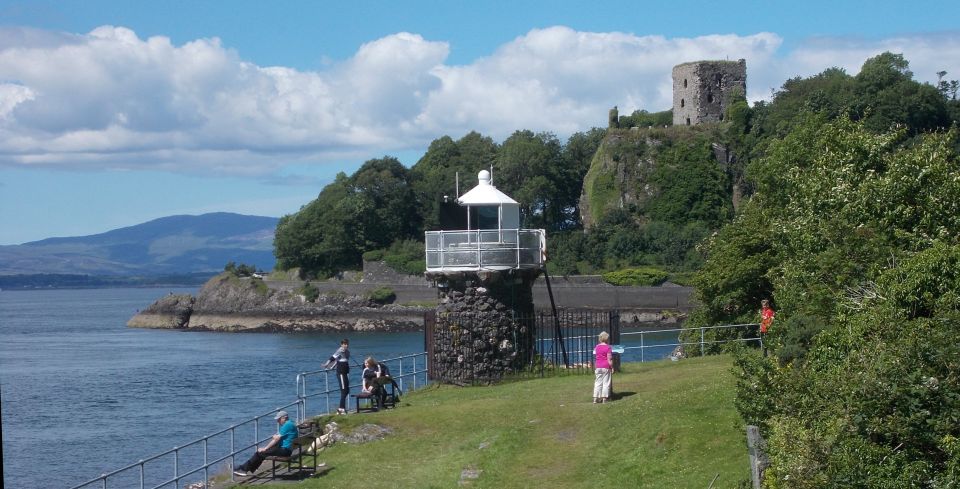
{"x":603,"y":362}
{"x":766,"y":316}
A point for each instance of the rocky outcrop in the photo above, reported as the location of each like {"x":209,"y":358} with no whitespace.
{"x":169,"y":312}
{"x":231,"y":304}
{"x":621,"y":174}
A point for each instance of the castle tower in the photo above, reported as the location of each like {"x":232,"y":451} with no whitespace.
{"x":702,"y":90}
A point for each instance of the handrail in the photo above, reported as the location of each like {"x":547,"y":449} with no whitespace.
{"x":299,"y":406}
{"x":643,"y":346}
{"x":476,"y":249}
{"x":413,"y":374}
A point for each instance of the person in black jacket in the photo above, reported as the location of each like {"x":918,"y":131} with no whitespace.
{"x":341,"y":361}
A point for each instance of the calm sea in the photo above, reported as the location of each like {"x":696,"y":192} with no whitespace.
{"x":82,"y":394}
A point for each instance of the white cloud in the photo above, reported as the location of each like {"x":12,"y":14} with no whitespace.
{"x":109,"y":99}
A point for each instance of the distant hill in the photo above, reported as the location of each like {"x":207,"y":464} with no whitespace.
{"x":170,"y":245}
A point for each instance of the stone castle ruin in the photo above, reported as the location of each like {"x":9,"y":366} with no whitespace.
{"x":702,"y":90}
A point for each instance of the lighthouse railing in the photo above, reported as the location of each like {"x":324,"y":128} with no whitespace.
{"x":485,"y":249}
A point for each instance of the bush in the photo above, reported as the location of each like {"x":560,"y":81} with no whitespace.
{"x":373,"y":255}
{"x":636,"y":276}
{"x":310,"y":292}
{"x":382,"y":295}
{"x":406,"y":256}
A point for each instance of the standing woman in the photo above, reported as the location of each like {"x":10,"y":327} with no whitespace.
{"x":603,"y":362}
{"x":341,"y":359}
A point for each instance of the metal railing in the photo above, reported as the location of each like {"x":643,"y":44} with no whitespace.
{"x":580,"y":347}
{"x":496,"y":249}
{"x":136,"y":474}
{"x":405,"y":370}
{"x":704,"y":342}
{"x":229,"y":443}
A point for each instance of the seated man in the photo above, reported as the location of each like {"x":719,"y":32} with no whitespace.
{"x":280,"y":445}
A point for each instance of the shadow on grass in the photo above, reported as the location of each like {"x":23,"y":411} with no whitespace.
{"x":616,"y":396}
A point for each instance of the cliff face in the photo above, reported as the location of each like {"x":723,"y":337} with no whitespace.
{"x":622,"y":170}
{"x":228,"y":303}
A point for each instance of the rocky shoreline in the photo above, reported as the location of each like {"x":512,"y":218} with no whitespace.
{"x":229,"y":304}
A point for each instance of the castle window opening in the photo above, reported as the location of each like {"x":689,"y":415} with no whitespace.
{"x":682,"y":103}
{"x":709,"y":98}
{"x":688,"y":121}
{"x":684,"y":83}
{"x":719,"y":79}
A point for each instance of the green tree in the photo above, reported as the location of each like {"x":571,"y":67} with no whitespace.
{"x":529,"y":168}
{"x":434,"y":175}
{"x":855,"y":234}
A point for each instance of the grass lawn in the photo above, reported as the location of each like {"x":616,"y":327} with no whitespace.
{"x":673,"y":425}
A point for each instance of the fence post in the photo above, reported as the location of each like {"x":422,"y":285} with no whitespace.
{"x":176,"y":465}
{"x":701,"y":341}
{"x":641,"y":347}
{"x":141,"y":473}
{"x":758,"y":457}
{"x":233,"y":451}
{"x":206,"y":473}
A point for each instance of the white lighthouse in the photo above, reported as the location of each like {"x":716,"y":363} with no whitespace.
{"x":493,"y":239}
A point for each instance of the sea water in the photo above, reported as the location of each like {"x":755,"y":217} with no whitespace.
{"x":83,"y":395}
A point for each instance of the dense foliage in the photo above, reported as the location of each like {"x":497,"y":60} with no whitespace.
{"x":384,"y":207}
{"x":636,"y":276}
{"x":854,"y":232}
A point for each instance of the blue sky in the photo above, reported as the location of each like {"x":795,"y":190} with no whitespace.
{"x":113,"y":113}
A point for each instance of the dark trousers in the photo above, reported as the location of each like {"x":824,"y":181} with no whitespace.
{"x":257,"y":458}
{"x":344,"y":380}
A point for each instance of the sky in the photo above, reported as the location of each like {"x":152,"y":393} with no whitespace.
{"x":116,"y":112}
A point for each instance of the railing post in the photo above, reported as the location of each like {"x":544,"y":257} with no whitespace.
{"x":233,"y":451}
{"x":104,"y":480}
{"x":701,"y":341}
{"x":206,"y":474}
{"x":141,"y":473}
{"x":176,"y":465}
{"x":641,"y":347}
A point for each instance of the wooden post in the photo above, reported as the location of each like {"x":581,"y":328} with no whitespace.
{"x":758,"y":457}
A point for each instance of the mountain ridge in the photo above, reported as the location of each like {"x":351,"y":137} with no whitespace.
{"x":181,"y":244}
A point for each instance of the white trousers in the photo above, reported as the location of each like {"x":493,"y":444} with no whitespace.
{"x":601,"y":385}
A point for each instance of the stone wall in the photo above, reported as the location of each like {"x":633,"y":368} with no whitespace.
{"x":702,"y":90}
{"x":483,"y":326}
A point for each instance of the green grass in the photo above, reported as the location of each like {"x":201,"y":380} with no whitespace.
{"x":673,"y":426}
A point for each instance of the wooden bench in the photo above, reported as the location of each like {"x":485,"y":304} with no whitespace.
{"x":297,"y":451}
{"x":369,"y":401}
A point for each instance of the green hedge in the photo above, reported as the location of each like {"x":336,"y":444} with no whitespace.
{"x":382,"y":295}
{"x":636,"y":276}
{"x":309,"y":292}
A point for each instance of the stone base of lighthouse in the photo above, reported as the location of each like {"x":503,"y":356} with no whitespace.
{"x":484,"y":325}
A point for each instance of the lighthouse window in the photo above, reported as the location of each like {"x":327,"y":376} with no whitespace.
{"x":486,"y":217}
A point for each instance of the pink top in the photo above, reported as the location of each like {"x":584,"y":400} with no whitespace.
{"x":602,"y":353}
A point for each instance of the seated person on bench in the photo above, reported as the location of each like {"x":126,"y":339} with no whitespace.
{"x":280,"y":445}
{"x":375,"y":376}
